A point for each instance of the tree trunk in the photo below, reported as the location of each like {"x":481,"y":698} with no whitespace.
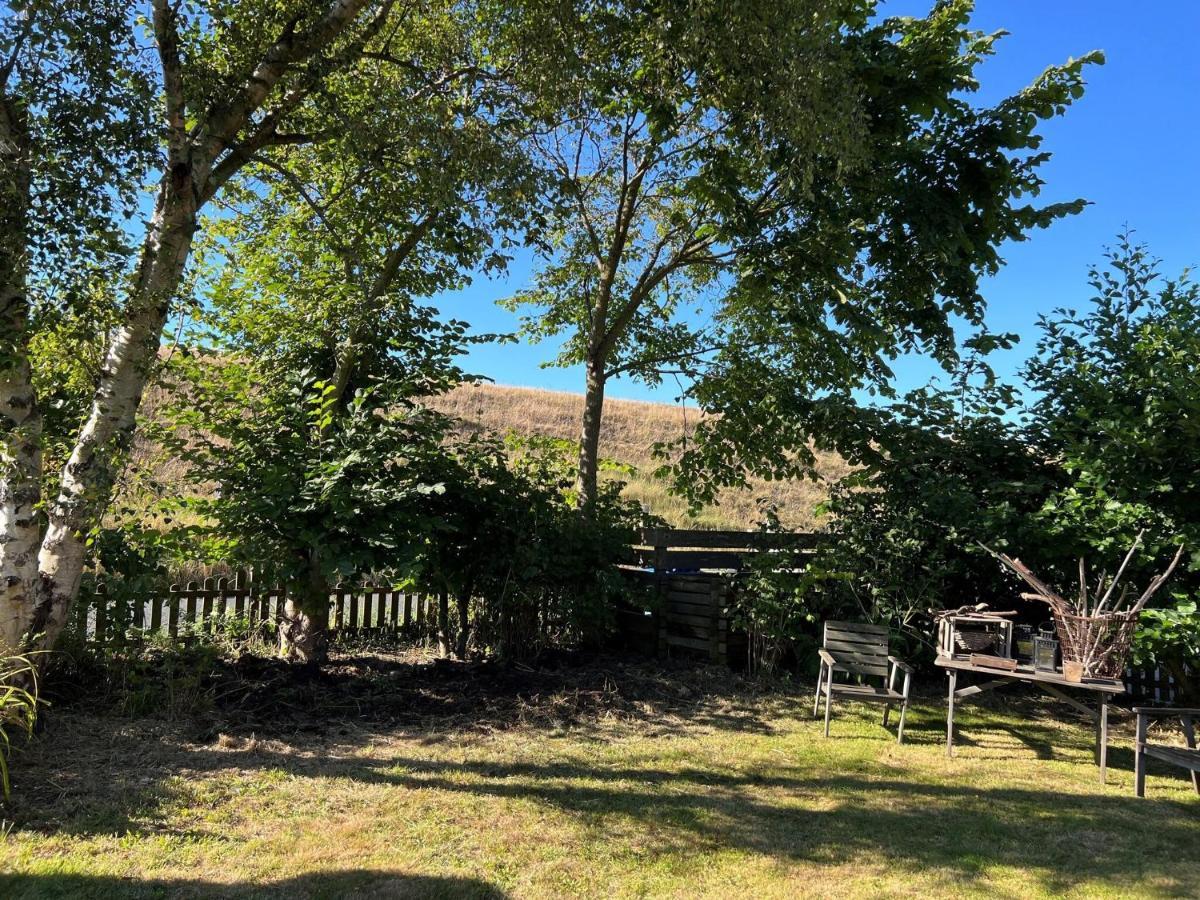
{"x":589,"y":437}
{"x":304,"y":630}
{"x":20,"y":418}
{"x":443,"y":622}
{"x":464,"y":623}
{"x":87,"y":479}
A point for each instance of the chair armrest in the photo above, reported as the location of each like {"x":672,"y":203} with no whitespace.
{"x":1155,"y":711}
{"x":826,"y":657}
{"x":901,"y":664}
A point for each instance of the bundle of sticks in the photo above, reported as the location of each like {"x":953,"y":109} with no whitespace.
{"x":1086,"y":621}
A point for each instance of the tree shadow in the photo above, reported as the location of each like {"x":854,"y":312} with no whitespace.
{"x":893,"y":814}
{"x":346,"y":884}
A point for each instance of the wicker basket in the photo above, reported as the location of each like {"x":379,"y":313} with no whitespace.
{"x":975,"y":641}
{"x":1107,"y":639}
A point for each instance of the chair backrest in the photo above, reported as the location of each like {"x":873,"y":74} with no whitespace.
{"x":859,"y":648}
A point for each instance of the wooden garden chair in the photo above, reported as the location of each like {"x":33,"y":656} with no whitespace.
{"x":1184,"y":757}
{"x":856,"y":648}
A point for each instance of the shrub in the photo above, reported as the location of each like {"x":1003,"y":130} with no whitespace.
{"x":952,"y":469}
{"x":528,"y":568}
{"x":1170,"y":638}
{"x":18,"y":707}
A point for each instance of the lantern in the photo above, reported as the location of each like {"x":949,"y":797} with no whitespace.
{"x":1045,"y":651}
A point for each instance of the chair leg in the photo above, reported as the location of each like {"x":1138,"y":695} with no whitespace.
{"x":828,"y":698}
{"x":900,"y":730}
{"x":817,"y":693}
{"x":1139,"y":758}
{"x":891,"y":686}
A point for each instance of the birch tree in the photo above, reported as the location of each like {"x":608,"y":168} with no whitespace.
{"x":328,"y":271}
{"x":74,"y":125}
{"x":234,"y":82}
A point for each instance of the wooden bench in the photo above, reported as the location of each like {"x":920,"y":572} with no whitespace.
{"x":856,"y":648}
{"x":1185,"y":757}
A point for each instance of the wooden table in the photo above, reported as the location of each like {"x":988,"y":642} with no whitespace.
{"x":1051,"y":682}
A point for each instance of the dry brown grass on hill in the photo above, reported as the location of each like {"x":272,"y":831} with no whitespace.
{"x":631,"y":428}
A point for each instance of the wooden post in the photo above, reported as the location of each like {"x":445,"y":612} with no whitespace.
{"x":173,"y":611}
{"x":661,"y":590}
{"x":1189,"y":734}
{"x":155,"y":613}
{"x":1102,"y":739}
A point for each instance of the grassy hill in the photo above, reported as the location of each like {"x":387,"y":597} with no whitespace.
{"x":631,"y":428}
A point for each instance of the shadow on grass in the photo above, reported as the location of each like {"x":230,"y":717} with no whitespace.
{"x":330,"y":885}
{"x":900,"y":814}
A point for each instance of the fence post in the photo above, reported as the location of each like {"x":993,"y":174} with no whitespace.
{"x":660,"y":589}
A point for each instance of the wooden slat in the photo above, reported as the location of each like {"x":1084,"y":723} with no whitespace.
{"x":864,"y":692}
{"x":873,"y":646}
{"x":690,"y":643}
{"x":859,"y":659}
{"x":173,"y":613}
{"x":862,"y":628}
{"x":395,"y":620}
{"x":693,"y":606}
{"x":1176,"y":756}
{"x":856,"y":668}
{"x":698,"y":620}
{"x":683,"y":537}
{"x":688,"y":591}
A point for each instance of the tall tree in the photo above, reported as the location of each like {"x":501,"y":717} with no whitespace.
{"x":74,"y":125}
{"x":778,"y":198}
{"x":237,"y":82}
{"x":878,"y":258}
{"x":665,"y":127}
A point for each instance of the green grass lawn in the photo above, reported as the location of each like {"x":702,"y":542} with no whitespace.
{"x":732,"y":794}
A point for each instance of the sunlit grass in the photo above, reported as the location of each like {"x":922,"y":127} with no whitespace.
{"x":743,"y":798}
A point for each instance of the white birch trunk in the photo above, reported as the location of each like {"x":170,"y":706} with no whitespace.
{"x":88,"y":476}
{"x":20,"y":418}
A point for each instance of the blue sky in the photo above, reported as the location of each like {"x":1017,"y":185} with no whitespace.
{"x":1130,"y":146}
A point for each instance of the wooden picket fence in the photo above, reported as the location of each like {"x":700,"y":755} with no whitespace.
{"x":215,"y":605}
{"x":1154,"y":685}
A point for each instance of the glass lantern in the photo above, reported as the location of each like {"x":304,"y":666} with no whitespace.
{"x":1045,"y":651}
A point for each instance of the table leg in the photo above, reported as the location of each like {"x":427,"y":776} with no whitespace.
{"x":953,"y":675}
{"x":1102,"y":740}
